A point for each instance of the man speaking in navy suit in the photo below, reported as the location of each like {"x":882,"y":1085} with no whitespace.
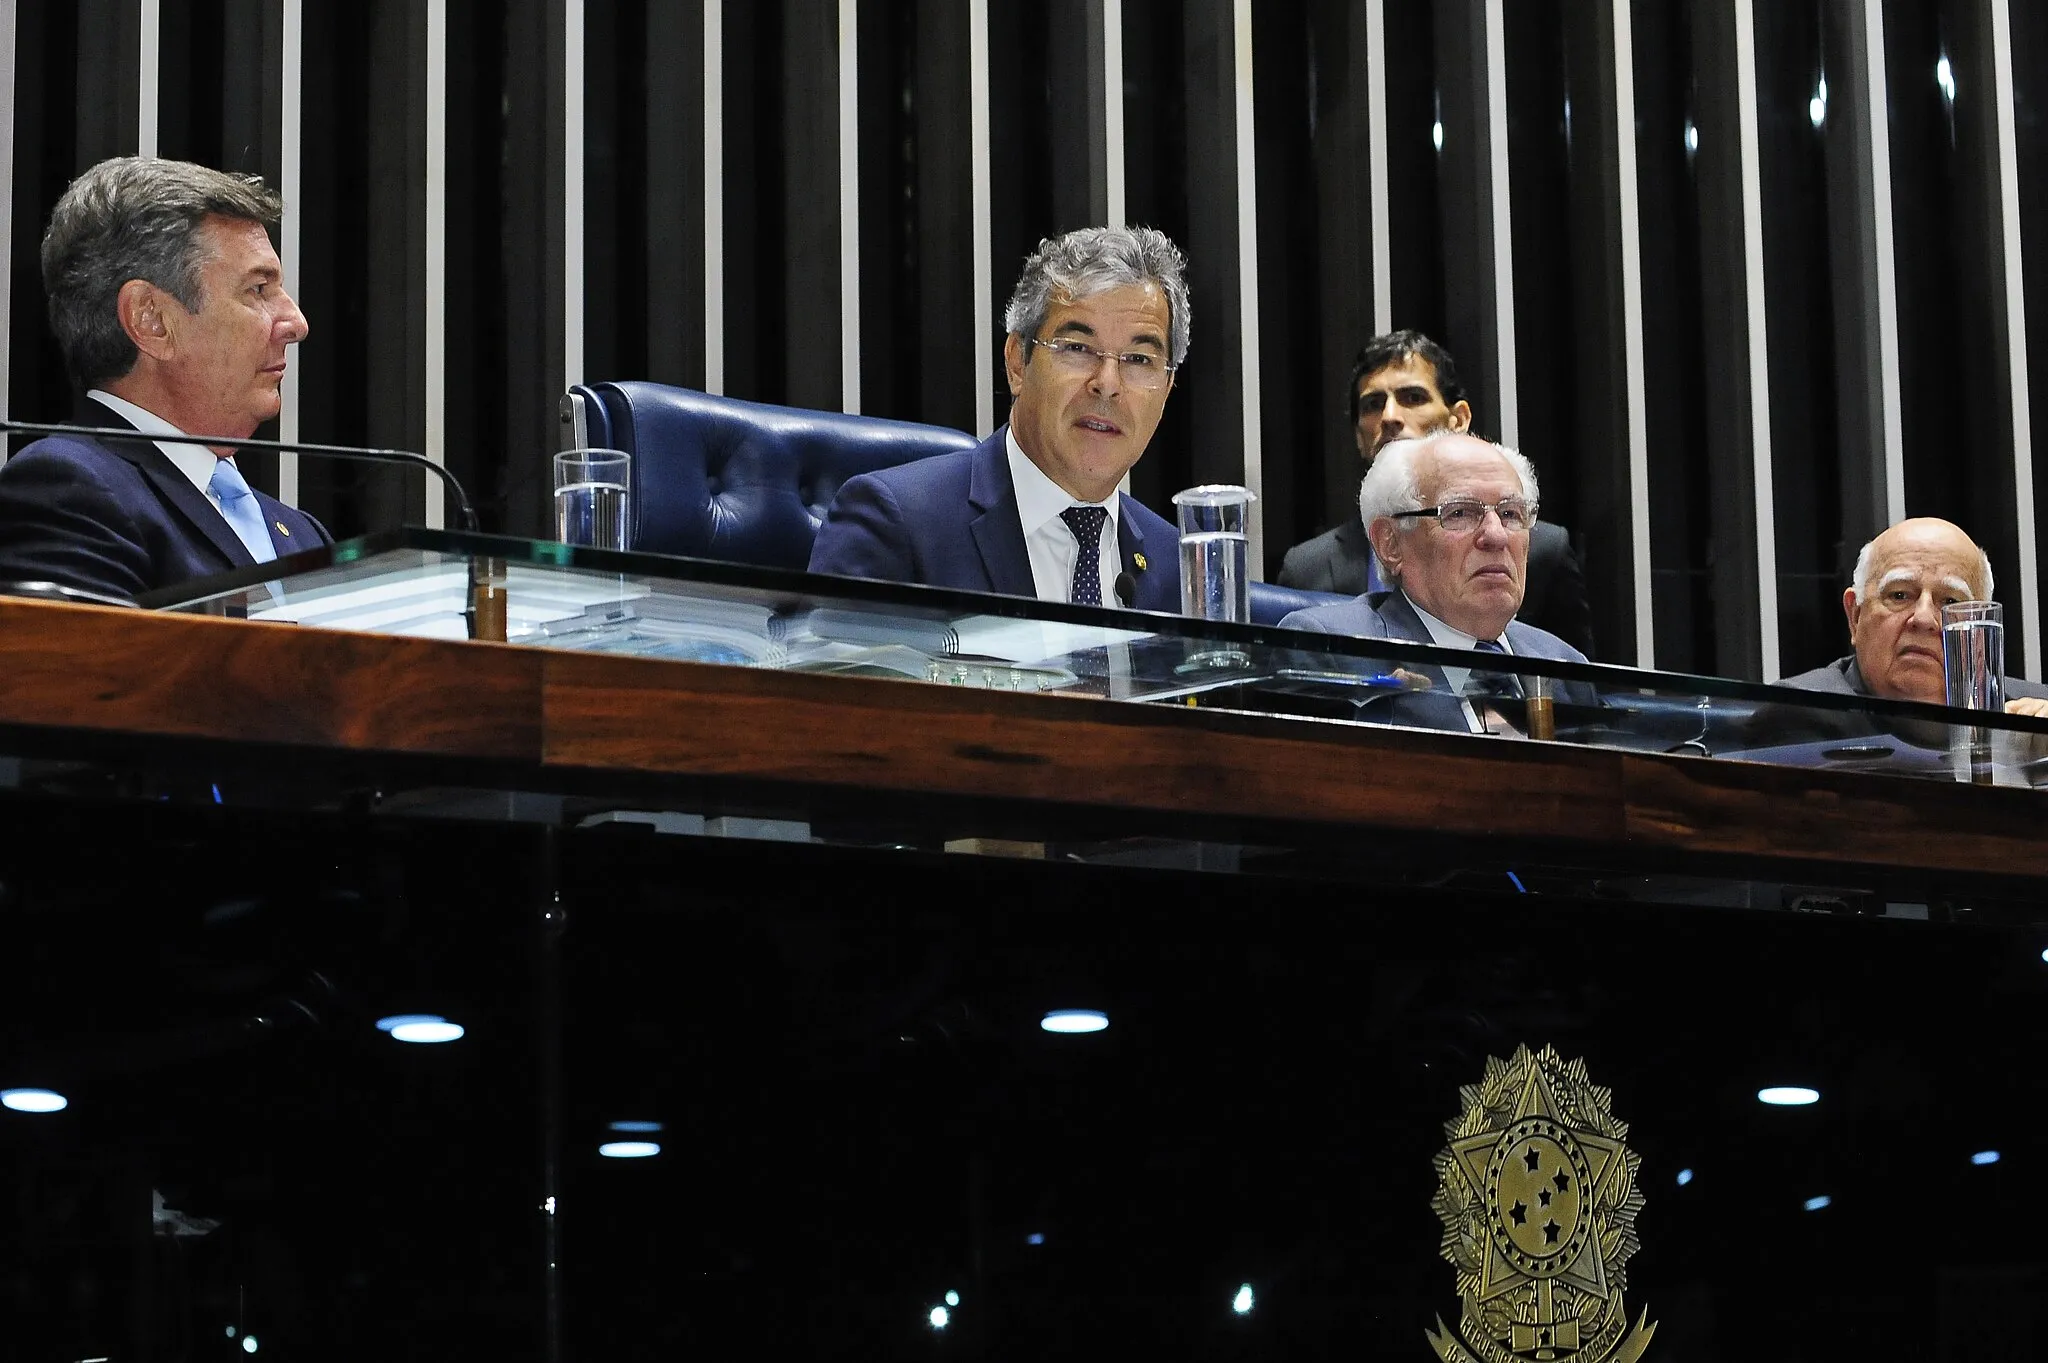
{"x":1098,"y":325}
{"x":169,"y":304}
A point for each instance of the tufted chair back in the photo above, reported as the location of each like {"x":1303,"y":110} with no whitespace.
{"x":746,"y":482}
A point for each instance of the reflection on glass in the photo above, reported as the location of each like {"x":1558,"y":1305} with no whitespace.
{"x":421,"y":1029}
{"x":1814,"y":1204}
{"x":1242,"y":1302}
{"x":629,"y":1149}
{"x":1072,"y":1021}
{"x":33,"y":1100}
{"x":940,"y":1317}
{"x":1983,"y":1157}
{"x":1684,"y":1177}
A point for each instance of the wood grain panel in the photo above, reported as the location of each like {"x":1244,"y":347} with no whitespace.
{"x":1707,"y":805}
{"x":89,"y":667}
{"x":902,"y":736}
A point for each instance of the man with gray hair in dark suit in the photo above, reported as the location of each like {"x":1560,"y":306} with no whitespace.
{"x":1450,"y":516}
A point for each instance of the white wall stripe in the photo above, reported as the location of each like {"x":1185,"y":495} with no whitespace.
{"x":290,"y":181}
{"x":1503,"y":222}
{"x":849,"y":205}
{"x":1248,"y":282}
{"x":1633,"y":384}
{"x":1377,"y":164}
{"x":1892,"y":439}
{"x":149,"y":73}
{"x":982,"y":248}
{"x":1113,"y":110}
{"x":2016,"y":333}
{"x":572,"y":192}
{"x":435,"y":324}
{"x":7,"y":60}
{"x":1758,"y":339}
{"x":714,"y":196}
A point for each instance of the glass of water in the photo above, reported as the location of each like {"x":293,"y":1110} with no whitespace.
{"x":594,"y":498}
{"x":1973,"y":654}
{"x":1215,"y":557}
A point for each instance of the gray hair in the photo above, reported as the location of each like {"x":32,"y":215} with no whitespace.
{"x":134,"y":217}
{"x":1859,"y":579}
{"x":1092,"y":260}
{"x":1394,"y":482}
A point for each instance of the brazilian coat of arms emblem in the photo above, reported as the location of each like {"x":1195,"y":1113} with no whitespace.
{"x":1538,"y":1198}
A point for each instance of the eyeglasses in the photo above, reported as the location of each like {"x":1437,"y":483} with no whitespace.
{"x":1140,"y":369}
{"x":1465,"y":517}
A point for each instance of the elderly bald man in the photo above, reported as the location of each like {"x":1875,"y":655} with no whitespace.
{"x":1902,"y":580}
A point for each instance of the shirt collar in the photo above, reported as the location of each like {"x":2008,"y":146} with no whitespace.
{"x":196,"y":462}
{"x":1039,"y":499}
{"x":1444,"y":636}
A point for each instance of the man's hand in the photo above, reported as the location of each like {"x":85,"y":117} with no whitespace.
{"x":2031,"y":706}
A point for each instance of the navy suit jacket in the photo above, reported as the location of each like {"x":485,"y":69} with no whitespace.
{"x":1388,"y":615}
{"x":115,"y":516}
{"x":951,"y":521}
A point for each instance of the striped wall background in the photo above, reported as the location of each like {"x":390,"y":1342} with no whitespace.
{"x":1746,"y":278}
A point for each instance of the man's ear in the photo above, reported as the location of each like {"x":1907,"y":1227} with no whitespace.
{"x":1386,"y":544}
{"x":1013,"y":362}
{"x":1849,"y":610}
{"x":1461,"y":416}
{"x":144,"y":311}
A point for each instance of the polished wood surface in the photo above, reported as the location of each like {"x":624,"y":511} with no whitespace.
{"x":85,"y":668}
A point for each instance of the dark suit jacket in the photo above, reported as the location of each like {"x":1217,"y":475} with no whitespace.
{"x":1553,"y":600}
{"x":1389,"y":615}
{"x":1845,"y":678}
{"x":951,"y":521}
{"x":115,"y":516}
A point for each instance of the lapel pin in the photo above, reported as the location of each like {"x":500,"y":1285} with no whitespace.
{"x":281,"y":530}
{"x":1139,"y":559}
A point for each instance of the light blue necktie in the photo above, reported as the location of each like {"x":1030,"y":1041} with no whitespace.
{"x":242,"y":510}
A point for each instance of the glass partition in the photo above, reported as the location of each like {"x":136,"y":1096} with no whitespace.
{"x":541,"y":594}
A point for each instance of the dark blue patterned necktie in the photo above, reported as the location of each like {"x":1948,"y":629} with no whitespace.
{"x":1086,"y":522}
{"x":1492,"y":683}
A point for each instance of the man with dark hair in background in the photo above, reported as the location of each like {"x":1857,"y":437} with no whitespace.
{"x":169,"y":304}
{"x":1404,"y":384}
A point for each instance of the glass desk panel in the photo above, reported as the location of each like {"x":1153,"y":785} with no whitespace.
{"x":442,"y":585}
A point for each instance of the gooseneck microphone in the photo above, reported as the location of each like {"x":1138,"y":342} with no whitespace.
{"x":463,"y":509}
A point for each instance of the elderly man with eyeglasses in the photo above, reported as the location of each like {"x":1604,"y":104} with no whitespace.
{"x":1098,"y":325}
{"x":1449,"y":516}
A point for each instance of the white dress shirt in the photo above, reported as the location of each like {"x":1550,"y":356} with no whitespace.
{"x":1049,"y":540}
{"x":1447,"y":636}
{"x":194,"y":461}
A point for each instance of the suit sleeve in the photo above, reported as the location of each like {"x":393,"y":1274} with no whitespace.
{"x":863,"y":535}
{"x":1567,"y":613}
{"x":59,"y":523}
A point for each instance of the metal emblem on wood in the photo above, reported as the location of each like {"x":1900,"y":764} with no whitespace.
{"x":1538,"y":1199}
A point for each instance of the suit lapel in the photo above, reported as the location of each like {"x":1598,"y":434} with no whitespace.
{"x":998,"y":533}
{"x":1403,"y":623}
{"x":173,"y":487}
{"x":1137,"y":561}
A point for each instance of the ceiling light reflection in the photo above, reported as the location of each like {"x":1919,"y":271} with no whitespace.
{"x":1074,"y":1021}
{"x":635,"y":1128}
{"x":1788,"y":1095}
{"x":629,"y":1149}
{"x":940,"y":1317}
{"x":1684,"y":1177}
{"x":1814,"y":1204}
{"x":33,"y":1100}
{"x":1984,"y":1157}
{"x":1242,"y":1302}
{"x":952,"y":1299}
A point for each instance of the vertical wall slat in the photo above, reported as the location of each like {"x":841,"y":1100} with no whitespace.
{"x":1892,"y":440}
{"x":1377,"y":166}
{"x":1634,"y":387}
{"x":1757,"y":317}
{"x":149,"y":71}
{"x":1113,"y":112}
{"x":1248,"y":279}
{"x":7,"y":94}
{"x":2016,"y":332}
{"x":291,"y":181}
{"x":849,"y":205}
{"x":434,"y":324}
{"x":573,"y":152}
{"x":714,"y":196}
{"x":982,"y":244}
{"x":1495,"y":74}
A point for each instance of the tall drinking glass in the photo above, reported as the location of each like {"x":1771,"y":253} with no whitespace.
{"x":1215,"y":554}
{"x":1973,"y":664}
{"x":593,"y":498}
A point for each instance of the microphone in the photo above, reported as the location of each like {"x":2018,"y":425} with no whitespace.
{"x":463,"y":509}
{"x":1126,"y":589}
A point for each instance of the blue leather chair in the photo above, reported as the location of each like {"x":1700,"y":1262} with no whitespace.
{"x":748,"y":482}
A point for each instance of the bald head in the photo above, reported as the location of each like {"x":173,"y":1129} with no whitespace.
{"x":1903,"y":578}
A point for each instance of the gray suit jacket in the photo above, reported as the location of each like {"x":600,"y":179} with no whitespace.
{"x":1389,"y":615}
{"x":1779,"y":726}
{"x":1845,"y":678}
{"x":1554,"y":597}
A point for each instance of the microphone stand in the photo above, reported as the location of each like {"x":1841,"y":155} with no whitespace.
{"x":464,"y":511}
